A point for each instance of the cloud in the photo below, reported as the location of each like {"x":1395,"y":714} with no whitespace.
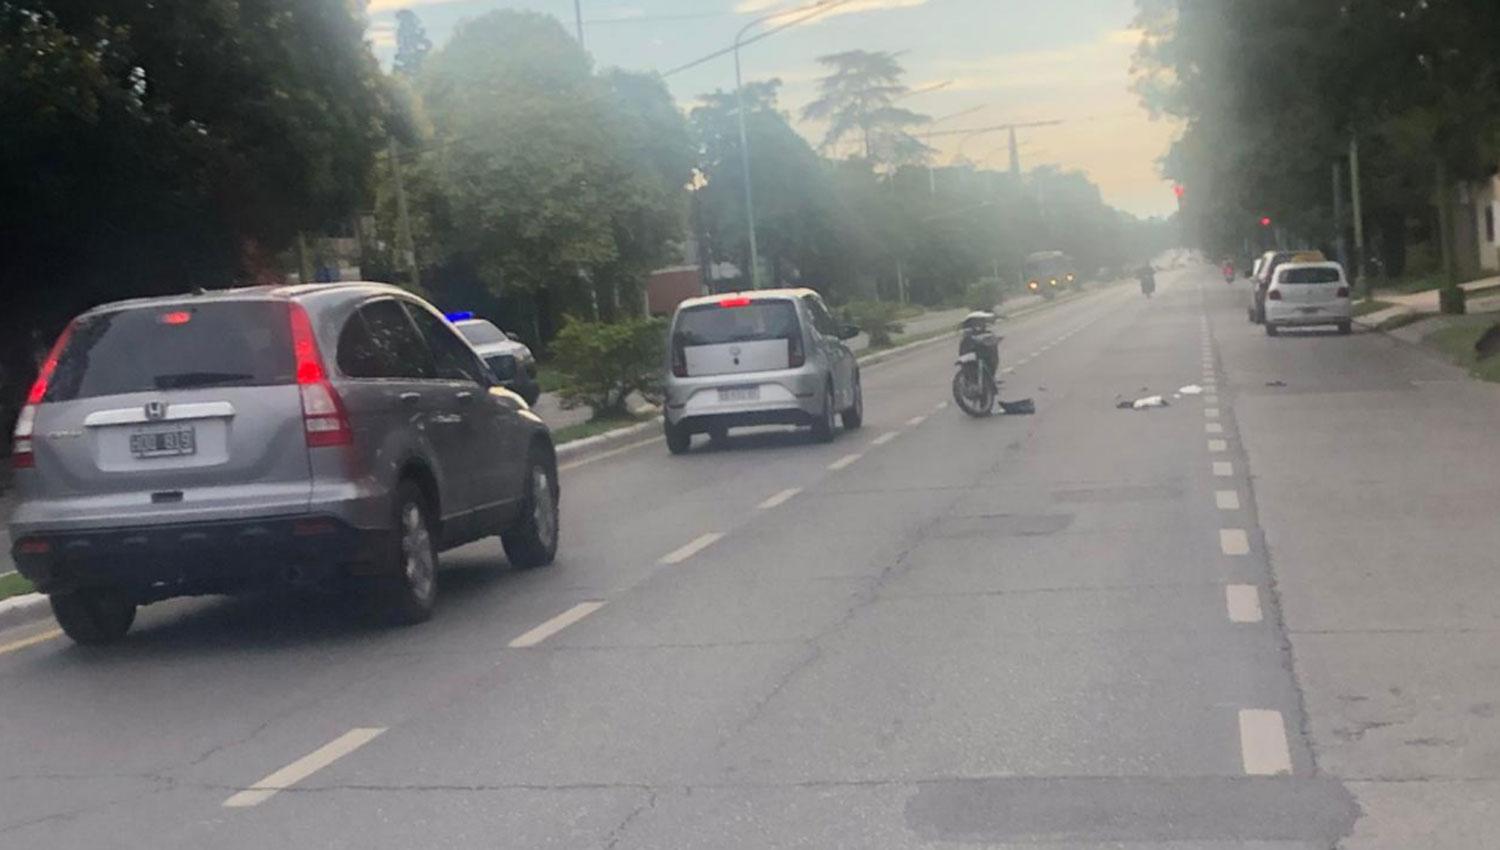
{"x":378,"y":6}
{"x":850,"y":7}
{"x":382,"y":33}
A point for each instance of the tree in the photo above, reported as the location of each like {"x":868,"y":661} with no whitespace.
{"x":858,"y":97}
{"x":412,"y":43}
{"x":545,"y":185}
{"x":150,"y":147}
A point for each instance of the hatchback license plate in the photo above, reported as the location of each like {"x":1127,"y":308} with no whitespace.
{"x":739,"y":394}
{"x":1307,"y":310}
{"x":170,"y":443}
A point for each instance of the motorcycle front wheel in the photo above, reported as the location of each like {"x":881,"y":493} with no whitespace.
{"x":974,"y":392}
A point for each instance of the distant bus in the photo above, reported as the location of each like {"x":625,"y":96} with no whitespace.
{"x":1047,"y":272}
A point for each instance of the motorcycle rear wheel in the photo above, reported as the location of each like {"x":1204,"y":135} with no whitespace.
{"x":974,"y":392}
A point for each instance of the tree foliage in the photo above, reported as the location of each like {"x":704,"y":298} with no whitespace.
{"x":859,"y":98}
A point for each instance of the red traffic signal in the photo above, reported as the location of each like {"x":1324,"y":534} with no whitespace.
{"x":1179,"y":191}
{"x":1265,"y":221}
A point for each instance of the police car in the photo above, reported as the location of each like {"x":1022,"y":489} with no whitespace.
{"x":508,"y":358}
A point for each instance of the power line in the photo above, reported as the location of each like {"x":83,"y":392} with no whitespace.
{"x":821,"y":9}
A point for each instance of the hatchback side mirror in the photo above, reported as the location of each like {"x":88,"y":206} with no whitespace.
{"x":848,"y":332}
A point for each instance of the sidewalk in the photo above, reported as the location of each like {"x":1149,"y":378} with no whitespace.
{"x":1419,"y":303}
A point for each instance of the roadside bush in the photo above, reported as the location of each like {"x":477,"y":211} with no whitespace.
{"x":1452,"y":301}
{"x":879,"y":319}
{"x":983,"y":294}
{"x":601,"y":363}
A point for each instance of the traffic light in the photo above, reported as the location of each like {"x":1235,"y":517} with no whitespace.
{"x":1265,"y":221}
{"x":1179,"y":191}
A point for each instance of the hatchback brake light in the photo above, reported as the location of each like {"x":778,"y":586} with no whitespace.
{"x":740,"y":301}
{"x":21,"y":454}
{"x":325,"y":422}
{"x":1343,"y":292}
{"x":1274,"y":295}
{"x":795,"y":356}
{"x":679,"y":360}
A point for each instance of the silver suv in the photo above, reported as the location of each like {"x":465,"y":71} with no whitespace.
{"x":770,"y":357}
{"x":331,"y":434}
{"x":508,"y":358}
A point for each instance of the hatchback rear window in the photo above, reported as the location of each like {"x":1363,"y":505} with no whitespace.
{"x":715,"y":324}
{"x":176,"y":347}
{"x":1322,"y":275}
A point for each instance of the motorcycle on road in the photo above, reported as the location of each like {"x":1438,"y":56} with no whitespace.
{"x":974,"y":386}
{"x":1148,"y":281}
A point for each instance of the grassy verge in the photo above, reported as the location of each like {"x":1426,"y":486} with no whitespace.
{"x":593,"y":428}
{"x":548,"y":378}
{"x":1402,"y":320}
{"x":14,"y":585}
{"x":1456,"y":342}
{"x":1371,"y":305}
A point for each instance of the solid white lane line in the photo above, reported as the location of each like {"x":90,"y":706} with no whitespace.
{"x":1227,"y":500}
{"x":302,"y":768}
{"x":677,"y":556}
{"x":1213,"y":428}
{"x":844,"y":461}
{"x":1223,"y":468}
{"x":555,"y":625}
{"x":1234,"y":541}
{"x":1218,"y":446}
{"x":23,"y":643}
{"x":779,"y":499}
{"x":1243,"y":603}
{"x":1211,"y":412}
{"x":885,"y":438}
{"x":1263,"y":747}
{"x":609,"y":454}
{"x":915,"y":421}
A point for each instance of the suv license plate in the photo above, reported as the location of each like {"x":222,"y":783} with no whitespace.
{"x":170,"y":443}
{"x":739,"y":394}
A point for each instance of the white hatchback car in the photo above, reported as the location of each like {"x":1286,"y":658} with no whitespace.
{"x":1303,"y":294}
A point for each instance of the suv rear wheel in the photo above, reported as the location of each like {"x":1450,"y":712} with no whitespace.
{"x":407,"y":596}
{"x":93,"y":615}
{"x":532,"y":541}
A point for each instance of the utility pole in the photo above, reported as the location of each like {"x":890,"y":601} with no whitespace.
{"x":1359,"y":219}
{"x":404,"y":246}
{"x":739,"y":97}
{"x":1015,"y":157}
{"x":578,"y":19}
{"x":1338,"y":214}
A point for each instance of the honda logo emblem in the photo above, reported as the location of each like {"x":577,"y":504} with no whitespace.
{"x":156,"y":410}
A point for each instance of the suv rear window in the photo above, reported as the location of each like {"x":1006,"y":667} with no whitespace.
{"x":176,"y":347}
{"x":480,"y":332}
{"x":715,"y":324}
{"x":1320,"y":275}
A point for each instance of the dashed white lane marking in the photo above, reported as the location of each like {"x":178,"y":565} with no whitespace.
{"x":1210,"y":398}
{"x":1227,"y":500}
{"x":556,"y":624}
{"x":1213,"y":428}
{"x":1223,"y":468}
{"x":1007,"y":370}
{"x":302,"y":768}
{"x":23,"y":643}
{"x":1234,"y":541}
{"x":844,"y":461}
{"x":915,"y":421}
{"x":1243,"y":603}
{"x":942,"y":405}
{"x":1218,"y":445}
{"x":1211,"y":412}
{"x":885,"y":438}
{"x":779,"y":499}
{"x":688,"y":551}
{"x":1263,"y":747}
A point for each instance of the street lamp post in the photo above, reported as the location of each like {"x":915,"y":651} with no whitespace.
{"x":739,"y":97}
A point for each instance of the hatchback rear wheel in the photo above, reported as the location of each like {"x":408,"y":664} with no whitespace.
{"x":854,"y":417}
{"x":824,"y":425}
{"x":93,"y":615}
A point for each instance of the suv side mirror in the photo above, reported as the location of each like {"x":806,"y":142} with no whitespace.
{"x":848,"y":332}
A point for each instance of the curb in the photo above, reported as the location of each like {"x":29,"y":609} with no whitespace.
{"x":20,"y":610}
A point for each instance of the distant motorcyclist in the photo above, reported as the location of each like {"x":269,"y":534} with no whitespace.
{"x":1147,"y":275}
{"x":1228,"y":270}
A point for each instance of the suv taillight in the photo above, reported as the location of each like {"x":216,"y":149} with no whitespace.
{"x":795,"y":356}
{"x":324,"y":420}
{"x":21,"y":454}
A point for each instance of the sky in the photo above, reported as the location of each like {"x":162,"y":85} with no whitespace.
{"x":998,"y":61}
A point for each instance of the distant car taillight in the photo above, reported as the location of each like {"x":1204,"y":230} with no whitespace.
{"x":21,"y":455}
{"x":324,"y":420}
{"x":679,"y":360}
{"x":795,"y":356}
{"x":1274,"y":295}
{"x":1343,"y":292}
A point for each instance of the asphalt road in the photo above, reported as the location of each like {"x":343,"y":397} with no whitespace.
{"x":1058,"y":630}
